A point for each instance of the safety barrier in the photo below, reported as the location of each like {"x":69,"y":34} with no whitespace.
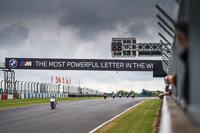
{"x":41,"y":95}
{"x":6,"y":96}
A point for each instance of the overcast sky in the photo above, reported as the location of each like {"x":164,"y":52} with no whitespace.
{"x":78,"y":29}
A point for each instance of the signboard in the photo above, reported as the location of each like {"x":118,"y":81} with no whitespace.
{"x":83,"y":64}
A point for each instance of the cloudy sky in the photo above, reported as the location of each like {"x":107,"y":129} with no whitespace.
{"x":78,"y":29}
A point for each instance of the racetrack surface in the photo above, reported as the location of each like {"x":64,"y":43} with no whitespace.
{"x":68,"y":117}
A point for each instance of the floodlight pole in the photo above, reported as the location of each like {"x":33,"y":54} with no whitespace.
{"x":1,"y":83}
{"x":21,"y":86}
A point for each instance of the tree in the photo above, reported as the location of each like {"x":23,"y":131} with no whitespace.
{"x":131,"y":92}
{"x":143,"y":93}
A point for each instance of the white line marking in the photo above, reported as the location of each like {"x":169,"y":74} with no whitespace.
{"x":113,"y":118}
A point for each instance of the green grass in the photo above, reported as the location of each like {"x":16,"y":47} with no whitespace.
{"x":6,"y":104}
{"x":140,"y":119}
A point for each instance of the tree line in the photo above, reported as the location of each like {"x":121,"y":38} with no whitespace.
{"x":143,"y":93}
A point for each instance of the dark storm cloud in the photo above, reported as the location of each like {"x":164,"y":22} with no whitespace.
{"x":91,"y":17}
{"x":13,"y":35}
{"x":27,"y":8}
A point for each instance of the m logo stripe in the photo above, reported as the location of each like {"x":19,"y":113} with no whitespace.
{"x":22,"y":63}
{"x":26,"y":63}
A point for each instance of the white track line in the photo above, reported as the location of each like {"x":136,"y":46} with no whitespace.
{"x":112,"y":118}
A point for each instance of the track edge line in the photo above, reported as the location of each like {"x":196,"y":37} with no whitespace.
{"x":95,"y":129}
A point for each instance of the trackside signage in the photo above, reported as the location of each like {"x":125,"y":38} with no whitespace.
{"x":82,"y":64}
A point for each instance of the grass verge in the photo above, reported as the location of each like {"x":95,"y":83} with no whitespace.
{"x":140,"y":119}
{"x":6,"y":104}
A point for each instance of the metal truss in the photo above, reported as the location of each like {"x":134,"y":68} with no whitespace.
{"x":132,"y":49}
{"x":150,"y":46}
{"x":9,"y":81}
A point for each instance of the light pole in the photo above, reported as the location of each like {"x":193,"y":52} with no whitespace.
{"x":34,"y":86}
{"x":16,"y":85}
{"x":54,"y":90}
{"x":44,"y":87}
{"x":116,"y":87}
{"x":1,"y":84}
{"x":37,"y":86}
{"x":58,"y":90}
{"x":48,"y":87}
{"x":116,"y":82}
{"x":25,"y":86}
{"x":31,"y":87}
{"x":28,"y":86}
{"x":63,"y":88}
{"x":21,"y":86}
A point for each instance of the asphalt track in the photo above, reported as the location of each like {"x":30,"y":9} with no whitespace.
{"x":68,"y":117}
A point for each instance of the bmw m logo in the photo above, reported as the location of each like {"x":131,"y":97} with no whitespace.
{"x":13,"y":63}
{"x":26,"y":63}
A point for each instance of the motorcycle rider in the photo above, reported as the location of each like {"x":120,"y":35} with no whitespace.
{"x":133,"y":95}
{"x":53,"y":102}
{"x":127,"y":95}
{"x":113,"y":95}
{"x":104,"y":96}
{"x":120,"y":95}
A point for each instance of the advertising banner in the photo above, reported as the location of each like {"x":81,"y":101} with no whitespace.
{"x":80,"y":64}
{"x":84,"y":64}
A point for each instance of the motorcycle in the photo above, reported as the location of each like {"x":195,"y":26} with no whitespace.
{"x":53,"y":102}
{"x":104,"y":96}
{"x":133,"y":95}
